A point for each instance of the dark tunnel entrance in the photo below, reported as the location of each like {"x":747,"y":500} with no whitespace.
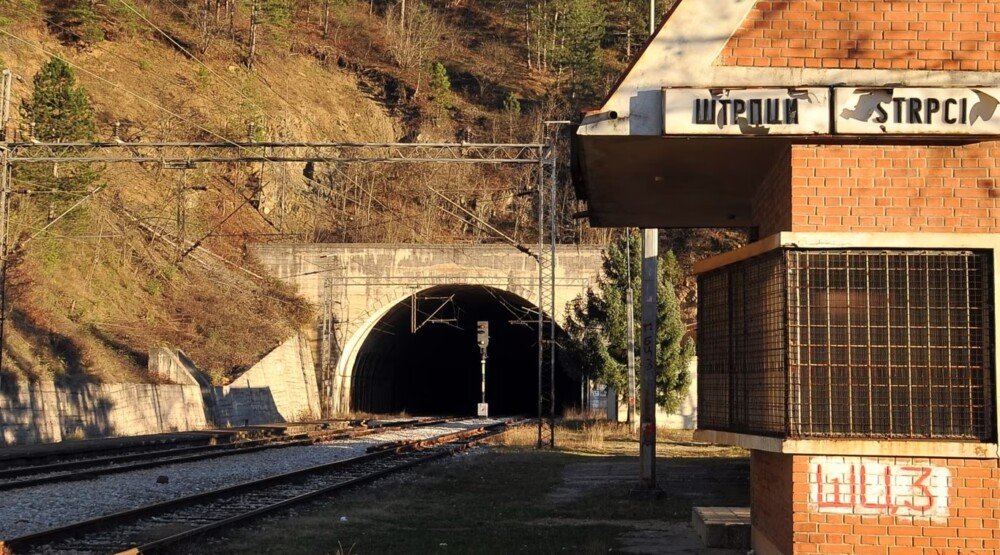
{"x":436,"y":371}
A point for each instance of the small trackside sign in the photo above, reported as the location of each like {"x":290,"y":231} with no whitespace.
{"x":748,"y":112}
{"x":483,"y":409}
{"x":917,"y":111}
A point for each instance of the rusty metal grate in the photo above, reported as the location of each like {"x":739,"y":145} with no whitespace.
{"x":849,"y":343}
{"x":742,"y":365}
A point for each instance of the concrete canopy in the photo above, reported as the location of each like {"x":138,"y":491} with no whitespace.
{"x":631,"y":174}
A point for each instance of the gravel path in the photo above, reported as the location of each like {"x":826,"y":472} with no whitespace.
{"x":34,"y":509}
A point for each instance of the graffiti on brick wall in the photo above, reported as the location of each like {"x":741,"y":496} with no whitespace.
{"x":848,"y":485}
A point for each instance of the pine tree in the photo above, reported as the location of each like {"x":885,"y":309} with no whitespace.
{"x":60,"y":112}
{"x":581,"y":31}
{"x":58,"y":107}
{"x":511,"y":105}
{"x":441,"y":86}
{"x":598,"y":325}
{"x":83,"y":18}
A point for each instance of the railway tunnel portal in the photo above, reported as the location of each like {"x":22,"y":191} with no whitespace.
{"x":396,"y":323}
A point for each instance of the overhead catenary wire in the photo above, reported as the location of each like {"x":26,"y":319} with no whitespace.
{"x":312,"y":122}
{"x":55,"y":220}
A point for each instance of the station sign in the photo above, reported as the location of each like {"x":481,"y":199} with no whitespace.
{"x":807,"y":111}
{"x":917,"y":111}
{"x":750,"y":112}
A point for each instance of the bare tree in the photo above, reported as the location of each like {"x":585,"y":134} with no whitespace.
{"x":413,"y":36}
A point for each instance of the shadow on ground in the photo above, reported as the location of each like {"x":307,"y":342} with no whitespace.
{"x":510,"y":500}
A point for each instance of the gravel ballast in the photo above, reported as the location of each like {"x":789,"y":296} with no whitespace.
{"x":39,"y":508}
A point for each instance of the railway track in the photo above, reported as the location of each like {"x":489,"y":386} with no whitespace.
{"x":155,"y":527}
{"x":86,"y":468}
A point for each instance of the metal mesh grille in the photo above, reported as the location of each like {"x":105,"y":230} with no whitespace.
{"x":742,"y":353}
{"x":849,"y":343}
{"x":890,"y":344}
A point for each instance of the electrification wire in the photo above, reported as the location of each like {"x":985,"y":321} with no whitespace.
{"x":137,"y":96}
{"x":517,"y":245}
{"x":127,"y":91}
{"x":59,"y":217}
{"x":155,"y":104}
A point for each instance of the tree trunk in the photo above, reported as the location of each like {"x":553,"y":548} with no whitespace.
{"x":253,"y":36}
{"x":326,"y":18}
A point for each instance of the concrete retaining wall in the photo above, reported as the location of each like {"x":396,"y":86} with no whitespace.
{"x":279,"y":388}
{"x":44,"y":412}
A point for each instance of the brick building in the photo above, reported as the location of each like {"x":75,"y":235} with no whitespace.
{"x":853,"y":347}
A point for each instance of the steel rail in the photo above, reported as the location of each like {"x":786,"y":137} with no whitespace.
{"x":188,"y":454}
{"x":158,"y":545}
{"x":36,"y":540}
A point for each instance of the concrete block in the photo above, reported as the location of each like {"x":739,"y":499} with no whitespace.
{"x":723,"y":527}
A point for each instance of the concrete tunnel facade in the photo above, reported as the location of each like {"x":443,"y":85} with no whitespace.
{"x":436,"y":370}
{"x":373,"y":361}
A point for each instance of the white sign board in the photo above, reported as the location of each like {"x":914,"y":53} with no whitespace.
{"x":483,"y":409}
{"x":851,"y":485}
{"x":909,"y":111}
{"x":752,"y":112}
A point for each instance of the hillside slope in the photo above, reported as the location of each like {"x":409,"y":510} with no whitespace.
{"x":93,"y":292}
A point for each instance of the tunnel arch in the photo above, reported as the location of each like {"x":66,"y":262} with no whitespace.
{"x":387,"y":369}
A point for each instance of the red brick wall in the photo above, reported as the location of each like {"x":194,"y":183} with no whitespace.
{"x":972,"y":525}
{"x":771,"y":497}
{"x":869,"y":34}
{"x":772,"y":202}
{"x":887,"y":188}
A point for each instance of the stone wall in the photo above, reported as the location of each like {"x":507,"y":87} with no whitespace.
{"x":279,"y":388}
{"x":44,"y":412}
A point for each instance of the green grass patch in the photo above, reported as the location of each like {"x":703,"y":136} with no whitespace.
{"x":495,"y":502}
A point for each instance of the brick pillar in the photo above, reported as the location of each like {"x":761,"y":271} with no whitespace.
{"x":771,"y":502}
{"x":904,"y":505}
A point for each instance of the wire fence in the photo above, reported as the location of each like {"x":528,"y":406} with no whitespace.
{"x":849,"y":343}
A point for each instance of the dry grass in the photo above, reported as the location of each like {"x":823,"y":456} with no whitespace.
{"x":598,"y":436}
{"x":361,"y":415}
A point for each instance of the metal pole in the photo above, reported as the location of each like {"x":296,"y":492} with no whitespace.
{"x":541,"y":286}
{"x":181,"y":214}
{"x":647,"y":435}
{"x":552,"y":159}
{"x":652,"y":17}
{"x":5,"y":105}
{"x":482,"y":362}
{"x":5,"y":170}
{"x":552,"y":296}
{"x":630,"y":310}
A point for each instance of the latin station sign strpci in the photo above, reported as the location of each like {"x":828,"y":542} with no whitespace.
{"x":913,"y":111}
{"x":805,"y":111}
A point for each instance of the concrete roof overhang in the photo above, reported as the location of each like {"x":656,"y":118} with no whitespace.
{"x":630,"y":174}
{"x":668,"y":182}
